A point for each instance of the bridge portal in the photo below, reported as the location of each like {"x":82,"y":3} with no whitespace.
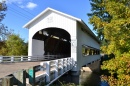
{"x":52,"y":41}
{"x":56,"y":33}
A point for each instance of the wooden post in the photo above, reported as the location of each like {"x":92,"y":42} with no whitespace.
{"x":1,"y":59}
{"x":56,"y":68}
{"x":71,"y":63}
{"x":62,"y":66}
{"x":29,"y":58}
{"x":21,"y":58}
{"x":47,"y":71}
{"x":20,"y":77}
{"x":12,"y":59}
{"x":7,"y":81}
{"x":31,"y":73}
{"x":68,"y":63}
{"x":42,"y":64}
{"x":65,"y":64}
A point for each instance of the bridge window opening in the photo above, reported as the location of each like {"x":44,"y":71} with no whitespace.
{"x":56,"y":42}
{"x":87,"y":50}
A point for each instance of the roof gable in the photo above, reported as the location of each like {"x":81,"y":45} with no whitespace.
{"x":87,"y":30}
{"x":52,"y":10}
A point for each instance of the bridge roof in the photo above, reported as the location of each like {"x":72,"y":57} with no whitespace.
{"x":86,"y":28}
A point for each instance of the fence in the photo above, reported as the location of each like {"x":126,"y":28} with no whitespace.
{"x":29,"y":58}
{"x":45,"y":73}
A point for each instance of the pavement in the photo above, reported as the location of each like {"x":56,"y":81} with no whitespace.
{"x":9,"y":68}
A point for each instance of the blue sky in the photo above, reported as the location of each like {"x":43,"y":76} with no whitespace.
{"x":21,"y":11}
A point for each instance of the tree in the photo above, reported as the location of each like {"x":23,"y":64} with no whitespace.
{"x":116,"y":31}
{"x":14,"y":45}
{"x":98,"y":9}
{"x":3,"y":29}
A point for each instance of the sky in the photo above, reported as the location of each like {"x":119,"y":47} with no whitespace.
{"x":19,"y":12}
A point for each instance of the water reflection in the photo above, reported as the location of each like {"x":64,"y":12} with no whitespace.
{"x":84,"y":79}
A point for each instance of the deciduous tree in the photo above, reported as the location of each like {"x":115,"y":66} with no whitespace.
{"x":3,"y":29}
{"x":98,"y":9}
{"x":14,"y":45}
{"x":116,"y":31}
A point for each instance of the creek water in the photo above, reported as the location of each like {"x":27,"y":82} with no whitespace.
{"x":84,"y":79}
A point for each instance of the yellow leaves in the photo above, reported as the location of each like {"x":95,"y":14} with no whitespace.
{"x":96,"y":21}
{"x":122,"y":42}
{"x":120,"y":67}
{"x":117,"y":30}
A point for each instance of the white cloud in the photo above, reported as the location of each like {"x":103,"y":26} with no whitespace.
{"x":23,"y":3}
{"x":14,"y":1}
{"x":31,"y":5}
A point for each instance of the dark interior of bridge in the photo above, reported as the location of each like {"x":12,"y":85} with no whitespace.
{"x":56,"y":41}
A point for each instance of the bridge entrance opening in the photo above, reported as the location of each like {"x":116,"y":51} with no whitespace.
{"x":57,"y":41}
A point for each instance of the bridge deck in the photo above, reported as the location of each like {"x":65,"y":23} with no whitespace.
{"x":9,"y":68}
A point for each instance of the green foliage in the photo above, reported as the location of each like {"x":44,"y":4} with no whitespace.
{"x":115,"y":31}
{"x":119,"y":69}
{"x":14,"y":45}
{"x":98,"y":9}
{"x":3,"y":8}
{"x":115,"y":28}
{"x":4,"y":32}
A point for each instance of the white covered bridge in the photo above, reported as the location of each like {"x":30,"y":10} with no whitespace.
{"x":56,"y":33}
{"x":58,"y":43}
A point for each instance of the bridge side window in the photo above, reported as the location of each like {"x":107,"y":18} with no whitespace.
{"x":83,"y":50}
{"x":98,"y":52}
{"x":90,"y":52}
{"x":94,"y":52}
{"x":87,"y":50}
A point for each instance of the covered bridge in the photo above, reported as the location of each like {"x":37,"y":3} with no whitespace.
{"x":56,"y":33}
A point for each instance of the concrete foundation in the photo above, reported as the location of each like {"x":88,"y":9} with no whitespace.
{"x":92,"y":67}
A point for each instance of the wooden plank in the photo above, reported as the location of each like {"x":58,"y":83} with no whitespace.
{"x":7,"y":81}
{"x":20,"y":78}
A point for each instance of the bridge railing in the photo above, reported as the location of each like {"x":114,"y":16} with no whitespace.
{"x":47,"y":72}
{"x":28,"y":58}
{"x":56,"y":68}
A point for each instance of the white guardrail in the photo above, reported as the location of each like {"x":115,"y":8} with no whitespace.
{"x":28,"y":58}
{"x":54,"y":69}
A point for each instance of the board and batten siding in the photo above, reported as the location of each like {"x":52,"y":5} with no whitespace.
{"x":85,"y":39}
{"x":48,"y":20}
